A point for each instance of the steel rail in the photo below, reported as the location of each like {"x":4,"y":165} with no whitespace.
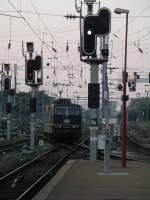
{"x":30,"y":192}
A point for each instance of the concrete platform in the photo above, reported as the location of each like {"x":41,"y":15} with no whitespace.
{"x":85,"y":180}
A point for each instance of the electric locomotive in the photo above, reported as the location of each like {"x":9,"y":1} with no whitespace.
{"x":63,"y":119}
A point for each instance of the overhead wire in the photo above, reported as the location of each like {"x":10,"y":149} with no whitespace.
{"x":61,"y":48}
{"x":29,"y":23}
{"x":134,"y":18}
{"x":6,"y":15}
{"x":51,"y":34}
{"x":141,"y":50}
{"x":36,"y":12}
{"x":62,"y":15}
{"x":32,"y":29}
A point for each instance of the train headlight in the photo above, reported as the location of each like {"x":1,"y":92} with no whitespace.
{"x":67,"y":121}
{"x":57,"y":126}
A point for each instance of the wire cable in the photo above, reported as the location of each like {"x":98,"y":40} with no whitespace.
{"x":32,"y":29}
{"x":6,"y":15}
{"x":134,"y":18}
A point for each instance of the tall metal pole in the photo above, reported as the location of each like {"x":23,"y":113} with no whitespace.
{"x":93,"y":115}
{"x":33,"y":118}
{"x":8,"y":93}
{"x":15,"y":83}
{"x":103,"y":90}
{"x":123,"y":135}
{"x":8,"y":116}
{"x":33,"y":78}
{"x":105,"y":109}
{"x":1,"y":97}
{"x":20,"y":108}
{"x":32,"y":114}
{"x":147,"y":100}
{"x":89,"y":54}
{"x":93,"y":112}
{"x":2,"y":93}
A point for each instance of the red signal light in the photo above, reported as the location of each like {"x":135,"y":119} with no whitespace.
{"x":30,"y":68}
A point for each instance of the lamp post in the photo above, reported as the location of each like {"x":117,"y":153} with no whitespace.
{"x":124,"y":97}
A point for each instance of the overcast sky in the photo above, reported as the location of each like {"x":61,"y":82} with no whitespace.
{"x":50,"y":25}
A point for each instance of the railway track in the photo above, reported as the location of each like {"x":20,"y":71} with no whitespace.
{"x":26,"y":181}
{"x":135,"y":150}
{"x":13,"y":145}
{"x":140,"y":151}
{"x":19,"y":183}
{"x":17,"y":144}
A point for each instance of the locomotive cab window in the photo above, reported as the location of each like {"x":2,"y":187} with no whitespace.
{"x":72,"y":110}
{"x":67,"y":110}
{"x":60,"y":110}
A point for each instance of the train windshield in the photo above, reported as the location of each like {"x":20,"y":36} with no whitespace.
{"x":60,"y":110}
{"x":67,"y":110}
{"x":73,"y":110}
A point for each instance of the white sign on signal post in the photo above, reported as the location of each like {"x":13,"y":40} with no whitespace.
{"x":93,"y":122}
{"x":93,"y":125}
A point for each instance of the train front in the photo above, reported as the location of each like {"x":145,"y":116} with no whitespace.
{"x":67,"y":120}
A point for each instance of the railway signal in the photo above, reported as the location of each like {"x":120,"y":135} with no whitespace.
{"x":94,"y":29}
{"x":33,"y":78}
{"x":132,"y":77}
{"x":93,"y":95}
{"x":132,"y":85}
{"x":32,"y":105}
{"x":94,"y":26}
{"x":30,"y":68}
{"x":119,"y":87}
{"x":7,"y":83}
{"x":37,"y":63}
{"x":30,"y":47}
{"x":104,"y":54}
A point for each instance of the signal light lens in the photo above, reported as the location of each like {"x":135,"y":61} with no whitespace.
{"x":93,"y":95}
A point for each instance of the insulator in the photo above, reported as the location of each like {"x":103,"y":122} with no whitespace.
{"x":79,"y":48}
{"x":67,"y":47}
